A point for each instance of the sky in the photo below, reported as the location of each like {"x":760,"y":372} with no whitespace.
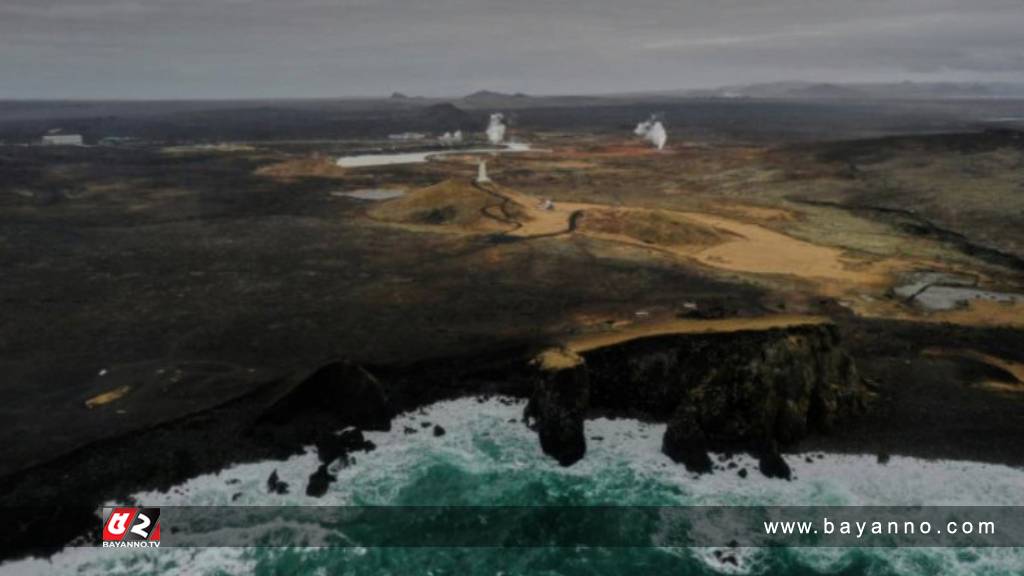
{"x":350,"y":48}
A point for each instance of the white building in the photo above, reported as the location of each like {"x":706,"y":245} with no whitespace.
{"x":406,"y":136}
{"x":481,"y":173}
{"x":62,"y":140}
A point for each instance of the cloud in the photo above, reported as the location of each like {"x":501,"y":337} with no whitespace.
{"x":224,"y":48}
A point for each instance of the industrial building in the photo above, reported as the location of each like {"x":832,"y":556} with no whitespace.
{"x":62,"y":140}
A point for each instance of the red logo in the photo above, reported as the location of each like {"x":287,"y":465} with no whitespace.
{"x":131,"y":527}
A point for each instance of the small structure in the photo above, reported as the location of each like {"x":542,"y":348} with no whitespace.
{"x":62,"y":140}
{"x":407,"y":136}
{"x":481,"y":173}
{"x":547,"y":204}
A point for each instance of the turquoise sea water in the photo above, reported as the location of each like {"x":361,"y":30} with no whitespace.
{"x":487,"y":457}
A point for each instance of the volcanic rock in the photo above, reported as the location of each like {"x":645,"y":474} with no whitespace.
{"x":340,"y":393}
{"x":684,"y":441}
{"x":275,"y":485}
{"x":557,"y":410}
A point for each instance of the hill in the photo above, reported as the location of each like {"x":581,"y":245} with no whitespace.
{"x":798,"y":90}
{"x":454,"y":204}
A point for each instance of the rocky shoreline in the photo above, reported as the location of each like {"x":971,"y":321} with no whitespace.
{"x":755,"y":391}
{"x":765,"y":391}
{"x":751,"y":391}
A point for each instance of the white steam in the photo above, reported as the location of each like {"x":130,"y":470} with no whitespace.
{"x":450,"y":138}
{"x":653,"y":131}
{"x":496,"y":129}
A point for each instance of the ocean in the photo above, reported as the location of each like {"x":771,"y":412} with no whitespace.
{"x":487,"y":457}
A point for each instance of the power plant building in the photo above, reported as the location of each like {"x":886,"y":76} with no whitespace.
{"x":62,"y":140}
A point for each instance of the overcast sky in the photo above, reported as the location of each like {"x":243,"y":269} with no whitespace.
{"x":327,"y":48}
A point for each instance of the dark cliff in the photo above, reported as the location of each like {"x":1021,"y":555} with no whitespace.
{"x":753,"y":391}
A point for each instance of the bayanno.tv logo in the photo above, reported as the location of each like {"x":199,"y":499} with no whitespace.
{"x":131,"y":527}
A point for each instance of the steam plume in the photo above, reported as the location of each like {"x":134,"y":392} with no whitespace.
{"x":496,"y":129}
{"x":653,"y":131}
{"x":450,"y":138}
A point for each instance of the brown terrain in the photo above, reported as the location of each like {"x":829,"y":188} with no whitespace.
{"x":159,"y":291}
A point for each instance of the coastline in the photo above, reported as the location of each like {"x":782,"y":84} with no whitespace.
{"x":899,"y":422}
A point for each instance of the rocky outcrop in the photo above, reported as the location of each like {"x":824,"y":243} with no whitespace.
{"x":319,"y":482}
{"x":772,"y":465}
{"x":742,"y":390}
{"x":335,"y":447}
{"x":336,"y":395}
{"x":557,"y":410}
{"x":772,"y":390}
{"x":275,"y":485}
{"x":340,"y":445}
{"x":684,"y":441}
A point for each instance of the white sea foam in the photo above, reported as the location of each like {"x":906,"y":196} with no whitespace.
{"x":179,"y":561}
{"x":487,"y":442}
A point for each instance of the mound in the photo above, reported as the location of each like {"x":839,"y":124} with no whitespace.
{"x":311,"y":167}
{"x":656,"y":227}
{"x":453,"y":203}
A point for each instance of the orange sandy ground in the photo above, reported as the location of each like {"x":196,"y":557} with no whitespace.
{"x":567,"y":355}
